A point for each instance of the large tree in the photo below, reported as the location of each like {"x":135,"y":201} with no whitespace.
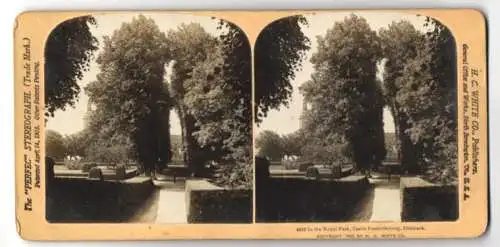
{"x":54,"y":145}
{"x":130,"y":96}
{"x":270,"y":145}
{"x":191,"y":46}
{"x":420,"y":85}
{"x":444,"y":71}
{"x":293,"y":143}
{"x":400,"y":43}
{"x":68,"y":52}
{"x":219,"y":100}
{"x":77,"y":143}
{"x":117,"y":151}
{"x":279,"y":51}
{"x":344,"y":93}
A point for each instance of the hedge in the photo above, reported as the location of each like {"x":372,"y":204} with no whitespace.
{"x":301,"y":200}
{"x":424,"y":201}
{"x":207,"y":203}
{"x":79,"y":201}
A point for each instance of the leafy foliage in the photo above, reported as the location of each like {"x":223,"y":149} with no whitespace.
{"x":77,"y":143}
{"x":233,"y":117}
{"x":344,"y":95}
{"x":279,"y":51}
{"x":420,"y":78}
{"x":211,"y":84}
{"x":111,"y":153}
{"x":54,"y":145}
{"x":293,"y":143}
{"x":275,"y":147}
{"x":96,"y":173}
{"x":345,"y":100}
{"x":209,"y":87}
{"x":68,"y":52}
{"x":132,"y":102}
{"x":400,"y":43}
{"x":327,"y":152}
{"x":237,"y":174}
{"x":190,"y":45}
{"x":270,"y":145}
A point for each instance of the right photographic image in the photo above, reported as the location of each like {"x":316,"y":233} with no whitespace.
{"x":356,"y":119}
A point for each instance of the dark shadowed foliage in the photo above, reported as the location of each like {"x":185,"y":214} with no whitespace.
{"x":68,"y":52}
{"x":279,"y":50}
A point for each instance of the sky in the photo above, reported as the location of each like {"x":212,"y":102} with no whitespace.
{"x":286,"y":120}
{"x":72,"y":119}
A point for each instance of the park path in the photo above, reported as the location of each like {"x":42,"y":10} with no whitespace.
{"x":167,"y":205}
{"x":381,"y":202}
{"x":171,"y":203}
{"x":386,"y":200}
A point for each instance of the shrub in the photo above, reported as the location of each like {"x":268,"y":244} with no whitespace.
{"x":86,"y":167}
{"x":120,"y":172}
{"x":96,"y":173}
{"x":73,"y":164}
{"x":312,"y":172}
{"x":304,"y":165}
{"x":235,"y":175}
{"x":290,"y":165}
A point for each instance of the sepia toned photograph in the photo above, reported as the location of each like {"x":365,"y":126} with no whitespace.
{"x":148,"y":119}
{"x":289,"y":124}
{"x":356,"y":116}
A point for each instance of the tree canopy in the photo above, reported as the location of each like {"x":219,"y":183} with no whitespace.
{"x":131,"y":98}
{"x":224,"y":112}
{"x":77,"y":143}
{"x":346,"y":98}
{"x":211,"y":88}
{"x":279,"y":51}
{"x":191,"y":47}
{"x":209,"y":85}
{"x":400,"y":43}
{"x":68,"y":52}
{"x":293,"y":143}
{"x":54,"y":145}
{"x":420,"y":85}
{"x":270,"y":145}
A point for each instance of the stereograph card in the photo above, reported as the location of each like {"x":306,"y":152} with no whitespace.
{"x":327,"y":124}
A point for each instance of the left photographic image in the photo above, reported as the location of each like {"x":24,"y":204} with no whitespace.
{"x":148,"y":119}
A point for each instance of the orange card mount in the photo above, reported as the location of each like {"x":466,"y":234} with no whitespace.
{"x":327,"y":124}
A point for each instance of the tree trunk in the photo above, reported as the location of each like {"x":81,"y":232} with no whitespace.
{"x":189,"y":143}
{"x":397,"y":130}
